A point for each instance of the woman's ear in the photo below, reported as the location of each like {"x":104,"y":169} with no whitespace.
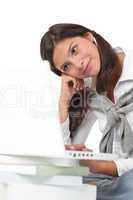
{"x":89,"y":36}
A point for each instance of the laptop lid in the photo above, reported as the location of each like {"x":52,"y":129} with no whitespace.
{"x":28,"y":136}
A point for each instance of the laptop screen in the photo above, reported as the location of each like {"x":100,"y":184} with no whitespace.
{"x":30,"y":136}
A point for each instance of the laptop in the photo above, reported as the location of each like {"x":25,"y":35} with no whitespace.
{"x":42,"y":138}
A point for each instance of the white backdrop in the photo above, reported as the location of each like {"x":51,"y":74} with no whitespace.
{"x":27,"y":87}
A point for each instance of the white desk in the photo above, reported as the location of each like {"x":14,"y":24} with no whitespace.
{"x":18,"y":187}
{"x":41,"y":192}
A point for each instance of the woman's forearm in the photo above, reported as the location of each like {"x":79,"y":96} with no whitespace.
{"x":69,"y":86}
{"x":63,"y":110}
{"x":101,"y":166}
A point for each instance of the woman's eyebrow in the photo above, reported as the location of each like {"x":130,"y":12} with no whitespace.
{"x":68,"y":52}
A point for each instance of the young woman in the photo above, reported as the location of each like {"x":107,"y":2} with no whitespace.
{"x":97,"y":82}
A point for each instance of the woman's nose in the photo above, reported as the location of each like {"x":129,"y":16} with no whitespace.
{"x":79,"y":63}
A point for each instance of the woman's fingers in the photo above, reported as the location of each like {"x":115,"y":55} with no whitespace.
{"x":87,"y":149}
{"x":79,"y":84}
{"x":77,"y":147}
{"x":73,"y":82}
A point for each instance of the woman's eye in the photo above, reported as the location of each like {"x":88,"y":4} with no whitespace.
{"x":66,"y":67}
{"x":74,"y":50}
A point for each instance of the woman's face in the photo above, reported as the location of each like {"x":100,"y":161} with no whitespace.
{"x":77,"y":56}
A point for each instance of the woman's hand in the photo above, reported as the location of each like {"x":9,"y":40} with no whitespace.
{"x":69,"y":86}
{"x":95,"y":166}
{"x":77,"y":147}
{"x":101,"y":166}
